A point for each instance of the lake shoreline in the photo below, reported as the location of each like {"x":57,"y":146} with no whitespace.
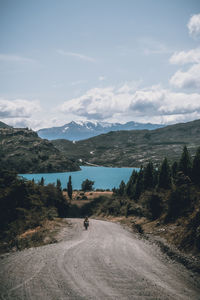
{"x":104,"y":177}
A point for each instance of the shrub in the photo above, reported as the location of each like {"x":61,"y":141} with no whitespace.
{"x":87,"y":185}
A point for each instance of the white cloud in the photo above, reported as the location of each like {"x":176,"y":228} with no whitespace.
{"x":129,"y":87}
{"x":36,"y":122}
{"x":96,"y":103}
{"x":77,"y":55}
{"x":18,"y":108}
{"x":185,"y":57}
{"x":153,"y":104}
{"x":151,"y":46}
{"x":194,"y":25}
{"x":102,"y":78}
{"x":187,"y":79}
{"x":15,"y":58}
{"x":21,"y":122}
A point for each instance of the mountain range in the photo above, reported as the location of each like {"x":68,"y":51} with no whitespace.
{"x":135,"y":147}
{"x":22,"y":150}
{"x":75,"y":131}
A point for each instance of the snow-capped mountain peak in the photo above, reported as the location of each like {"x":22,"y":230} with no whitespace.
{"x":80,"y":130}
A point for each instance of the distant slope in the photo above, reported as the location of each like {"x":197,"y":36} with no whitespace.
{"x":3,"y":125}
{"x":75,"y":131}
{"x":22,"y":150}
{"x":133,"y":148}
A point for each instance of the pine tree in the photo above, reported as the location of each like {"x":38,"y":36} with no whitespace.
{"x":174,"y":169}
{"x":58,"y":184}
{"x":42,"y":181}
{"x":185,"y":164}
{"x":196,"y":168}
{"x":155,"y":206}
{"x":139,"y":185}
{"x":149,"y":176}
{"x":69,"y":187}
{"x":130,"y":184}
{"x":155,"y":177}
{"x":164,"y":180}
{"x":122,"y":187}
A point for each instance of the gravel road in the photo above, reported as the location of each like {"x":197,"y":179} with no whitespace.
{"x":105,"y":262}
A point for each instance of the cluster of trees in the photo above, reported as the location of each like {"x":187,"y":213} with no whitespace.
{"x":25,"y":204}
{"x":175,"y":181}
{"x":87,"y":185}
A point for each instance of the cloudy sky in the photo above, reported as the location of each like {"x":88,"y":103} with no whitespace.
{"x":108,"y":60}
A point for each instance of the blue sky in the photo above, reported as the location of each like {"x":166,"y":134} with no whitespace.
{"x":113,"y":61}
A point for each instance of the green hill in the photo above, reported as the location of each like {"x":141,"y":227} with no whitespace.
{"x":136,"y":147}
{"x":23,"y":151}
{"x":3,"y":125}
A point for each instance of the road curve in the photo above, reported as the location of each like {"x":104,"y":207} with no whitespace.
{"x":105,"y":262}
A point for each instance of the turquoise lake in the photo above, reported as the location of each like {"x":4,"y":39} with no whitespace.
{"x":103,"y":177}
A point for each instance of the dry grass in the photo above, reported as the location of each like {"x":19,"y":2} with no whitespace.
{"x":42,"y":235}
{"x":78,"y":197}
{"x":29,"y":232}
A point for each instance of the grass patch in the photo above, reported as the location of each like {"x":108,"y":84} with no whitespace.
{"x":41,"y":235}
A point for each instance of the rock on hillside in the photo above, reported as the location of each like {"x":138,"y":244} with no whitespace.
{"x":23,"y":151}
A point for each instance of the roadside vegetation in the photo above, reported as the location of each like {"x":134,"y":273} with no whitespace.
{"x":26,"y":205}
{"x":32,"y":213}
{"x":164,"y":200}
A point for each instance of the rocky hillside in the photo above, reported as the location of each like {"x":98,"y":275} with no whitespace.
{"x":133,"y":148}
{"x":23,"y":151}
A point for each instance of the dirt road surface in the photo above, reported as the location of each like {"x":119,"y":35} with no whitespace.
{"x":105,"y":262}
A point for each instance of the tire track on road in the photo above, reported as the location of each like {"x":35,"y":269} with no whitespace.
{"x":105,"y":262}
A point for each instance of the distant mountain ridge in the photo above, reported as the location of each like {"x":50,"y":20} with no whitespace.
{"x":75,"y":131}
{"x":135,"y":147}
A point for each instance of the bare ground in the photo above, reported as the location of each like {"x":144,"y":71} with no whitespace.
{"x":105,"y":262}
